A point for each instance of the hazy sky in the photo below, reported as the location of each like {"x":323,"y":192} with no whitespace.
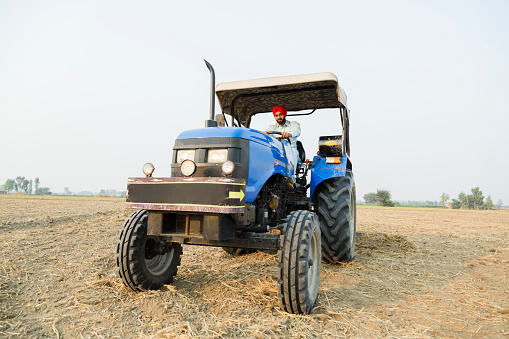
{"x":91,"y":90}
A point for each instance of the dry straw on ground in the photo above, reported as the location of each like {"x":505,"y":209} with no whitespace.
{"x":417,"y":274}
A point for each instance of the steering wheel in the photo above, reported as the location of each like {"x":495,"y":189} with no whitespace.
{"x":280,"y":138}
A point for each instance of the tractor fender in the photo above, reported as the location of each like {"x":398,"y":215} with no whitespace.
{"x":321,"y":171}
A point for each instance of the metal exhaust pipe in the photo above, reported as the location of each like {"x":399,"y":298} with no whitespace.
{"x":211,"y":122}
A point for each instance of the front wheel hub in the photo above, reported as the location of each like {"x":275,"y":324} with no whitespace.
{"x":154,"y":248}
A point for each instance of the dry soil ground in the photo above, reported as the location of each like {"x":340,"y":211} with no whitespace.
{"x":417,"y":274}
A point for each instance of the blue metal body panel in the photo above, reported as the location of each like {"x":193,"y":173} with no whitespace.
{"x":266,"y":154}
{"x":230,"y":132}
{"x":321,"y":171}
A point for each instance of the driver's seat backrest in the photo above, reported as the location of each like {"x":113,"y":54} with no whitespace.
{"x":302,"y":153}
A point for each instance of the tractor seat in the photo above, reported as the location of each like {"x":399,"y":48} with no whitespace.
{"x":302,"y":153}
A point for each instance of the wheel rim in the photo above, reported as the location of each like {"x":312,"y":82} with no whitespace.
{"x":159,"y":264}
{"x":314,"y":263}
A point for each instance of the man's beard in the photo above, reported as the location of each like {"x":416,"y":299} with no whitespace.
{"x":281,"y":121}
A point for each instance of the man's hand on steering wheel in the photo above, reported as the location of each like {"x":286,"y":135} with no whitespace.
{"x":284,"y":135}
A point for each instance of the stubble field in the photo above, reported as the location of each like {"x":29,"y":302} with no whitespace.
{"x":418,"y":273}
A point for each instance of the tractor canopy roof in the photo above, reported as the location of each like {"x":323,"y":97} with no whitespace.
{"x":243,"y":99}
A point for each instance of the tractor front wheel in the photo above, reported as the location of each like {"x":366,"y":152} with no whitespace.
{"x":299,"y":263}
{"x":145,"y":262}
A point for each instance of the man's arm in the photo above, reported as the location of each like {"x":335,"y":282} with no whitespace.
{"x":294,"y":129}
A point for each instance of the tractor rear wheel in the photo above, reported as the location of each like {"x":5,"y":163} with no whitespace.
{"x":299,"y":263}
{"x":145,"y":262}
{"x":336,"y":209}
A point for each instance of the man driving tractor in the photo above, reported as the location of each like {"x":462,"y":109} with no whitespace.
{"x":288,"y":129}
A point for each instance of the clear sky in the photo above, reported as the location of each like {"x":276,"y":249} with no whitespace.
{"x":91,"y":90}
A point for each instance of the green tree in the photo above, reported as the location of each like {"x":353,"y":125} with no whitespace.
{"x":43,"y":191}
{"x":29,"y":186}
{"x":456,"y":204}
{"x":477,"y":198}
{"x":489,"y":203}
{"x":370,"y":198}
{"x":22,"y":184}
{"x":464,"y":199}
{"x":444,"y":197}
{"x":9,"y":185}
{"x":19,"y":183}
{"x":499,"y":203}
{"x":37,"y":182}
{"x":383,"y":198}
{"x":25,"y":186}
{"x":66,"y":191}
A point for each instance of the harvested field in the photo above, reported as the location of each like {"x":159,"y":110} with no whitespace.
{"x":417,"y":273}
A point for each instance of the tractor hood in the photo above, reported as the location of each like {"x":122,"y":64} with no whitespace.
{"x":229,"y":132}
{"x":295,"y":92}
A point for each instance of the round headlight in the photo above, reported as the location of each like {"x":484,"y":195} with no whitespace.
{"x":148,"y":169}
{"x":228,"y":168}
{"x":188,"y":167}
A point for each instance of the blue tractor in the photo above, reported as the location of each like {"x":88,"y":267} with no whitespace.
{"x":235,"y":187}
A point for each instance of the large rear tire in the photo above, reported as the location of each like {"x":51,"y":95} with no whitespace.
{"x":336,"y":209}
{"x":299,"y":263}
{"x":144,"y":262}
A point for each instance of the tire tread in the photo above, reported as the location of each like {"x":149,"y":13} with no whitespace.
{"x":293,"y":289}
{"x":333,"y":207}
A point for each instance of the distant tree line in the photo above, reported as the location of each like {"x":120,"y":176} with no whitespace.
{"x":473,"y":201}
{"x":422,"y":203}
{"x":103,"y":192}
{"x":21,"y":184}
{"x":113,"y":193}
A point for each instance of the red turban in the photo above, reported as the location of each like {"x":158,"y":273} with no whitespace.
{"x":280,"y":109}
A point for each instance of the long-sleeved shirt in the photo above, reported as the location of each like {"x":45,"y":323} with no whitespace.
{"x":292,"y":127}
